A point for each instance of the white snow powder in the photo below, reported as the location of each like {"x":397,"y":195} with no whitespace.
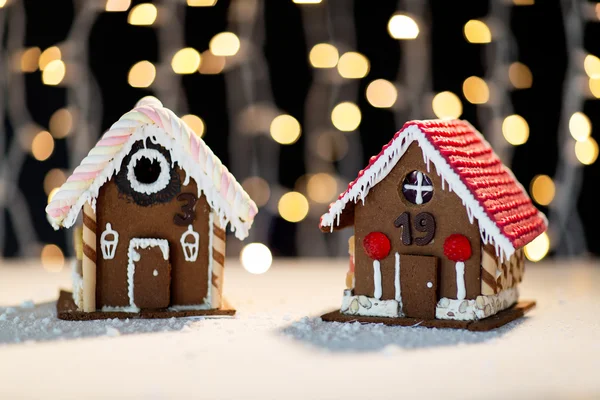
{"x":37,"y":323}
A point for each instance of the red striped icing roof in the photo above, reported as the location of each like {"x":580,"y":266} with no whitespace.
{"x":469,"y":157}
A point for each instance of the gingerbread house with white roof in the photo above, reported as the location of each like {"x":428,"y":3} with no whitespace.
{"x":439,"y":225}
{"x":156,"y":202}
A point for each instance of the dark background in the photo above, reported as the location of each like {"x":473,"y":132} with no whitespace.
{"x":115,"y":46}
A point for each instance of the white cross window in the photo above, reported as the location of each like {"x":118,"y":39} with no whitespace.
{"x":417,"y":188}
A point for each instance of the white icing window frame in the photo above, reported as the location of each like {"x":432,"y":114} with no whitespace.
{"x":163,"y":179}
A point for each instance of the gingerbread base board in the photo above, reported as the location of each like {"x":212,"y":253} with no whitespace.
{"x":67,"y":310}
{"x":487,"y":324}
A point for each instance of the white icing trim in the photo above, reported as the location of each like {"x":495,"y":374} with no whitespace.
{"x":178,"y":155}
{"x":377,"y":279}
{"x":369,"y":306}
{"x":133,"y":257}
{"x":397,"y":279}
{"x":190,"y":249}
{"x":461,"y":290}
{"x":109,"y":247}
{"x":163,"y":178}
{"x":211,"y":233}
{"x":481,"y":307}
{"x":204,"y":306}
{"x":489,"y":231}
{"x":127,"y":309}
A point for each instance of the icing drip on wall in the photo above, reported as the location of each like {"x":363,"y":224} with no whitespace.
{"x":461,"y":291}
{"x":398,"y":296}
{"x":377,"y":279}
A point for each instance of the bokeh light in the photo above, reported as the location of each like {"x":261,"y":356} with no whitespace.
{"x":30,"y":59}
{"x":307,"y":1}
{"x":117,"y":5}
{"x":258,"y":190}
{"x":322,"y":188}
{"x":403,"y":27}
{"x":61,"y":123}
{"x":186,"y":61}
{"x":542,"y":189}
{"x":293,"y":206}
{"x":142,"y":74}
{"x":477,"y":32}
{"x":211,"y":64}
{"x":201,"y":3}
{"x":346,"y":116}
{"x":53,"y":259}
{"x":143,"y":14}
{"x":382,"y":93}
{"x":595,"y":87}
{"x":353,"y":65}
{"x":515,"y":129}
{"x":54,"y":72}
{"x":49,"y":55}
{"x":285,"y":129}
{"x":53,"y":179}
{"x":42,"y":146}
{"x":195,"y":123}
{"x":256,"y":258}
{"x":331,"y":146}
{"x":520,"y":75}
{"x":447,"y":105}
{"x":224,"y":44}
{"x":580,"y":126}
{"x":586,"y":151}
{"x":256,"y":119}
{"x":538,"y":248}
{"x":476,"y":90}
{"x":591,"y":64}
{"x":323,"y":55}
{"x":523,"y":2}
{"x":26,"y":134}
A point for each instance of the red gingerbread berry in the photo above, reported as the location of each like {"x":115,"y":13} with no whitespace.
{"x":377,"y":245}
{"x":457,"y":247}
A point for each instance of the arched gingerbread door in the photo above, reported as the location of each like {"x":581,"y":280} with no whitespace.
{"x":149,"y":273}
{"x":418,"y":278}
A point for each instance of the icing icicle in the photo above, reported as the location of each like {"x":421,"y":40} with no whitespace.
{"x":149,"y":119}
{"x":468,"y":167}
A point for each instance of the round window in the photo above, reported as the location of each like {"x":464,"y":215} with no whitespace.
{"x":417,"y":188}
{"x":148,"y":171}
{"x":146,"y":175}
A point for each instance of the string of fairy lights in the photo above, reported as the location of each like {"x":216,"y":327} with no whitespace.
{"x":332,"y":147}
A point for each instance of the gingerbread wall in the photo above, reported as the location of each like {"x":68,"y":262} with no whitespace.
{"x":382,"y":207}
{"x":189,"y":280}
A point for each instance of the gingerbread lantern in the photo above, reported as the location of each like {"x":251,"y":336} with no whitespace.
{"x":156,"y":202}
{"x":442,"y":223}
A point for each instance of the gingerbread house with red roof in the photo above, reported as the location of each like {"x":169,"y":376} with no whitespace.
{"x":439,"y":225}
{"x":156,"y":202}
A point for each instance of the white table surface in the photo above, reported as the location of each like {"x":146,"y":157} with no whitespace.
{"x":270,"y":351}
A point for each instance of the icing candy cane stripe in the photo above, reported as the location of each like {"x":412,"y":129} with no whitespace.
{"x":89,"y":259}
{"x":217,"y":262}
